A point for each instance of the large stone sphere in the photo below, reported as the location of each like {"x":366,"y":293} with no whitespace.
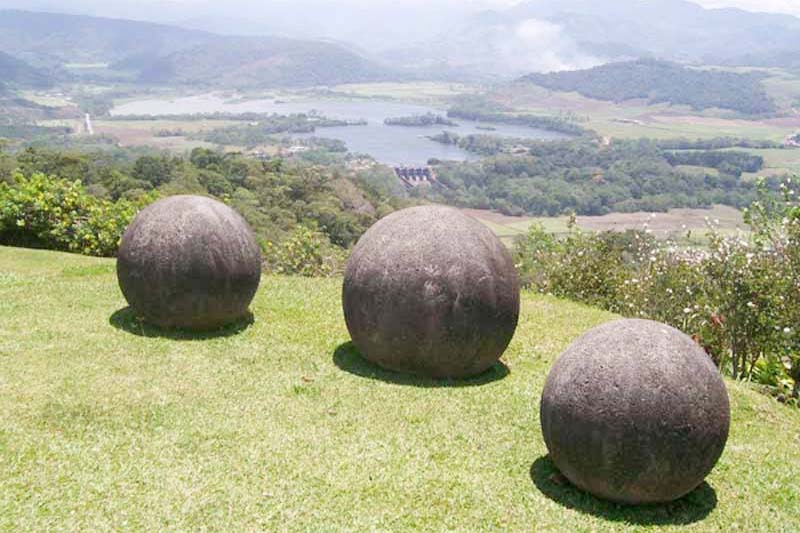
{"x":189,"y":262}
{"x":634,"y":411}
{"x":432,"y":292}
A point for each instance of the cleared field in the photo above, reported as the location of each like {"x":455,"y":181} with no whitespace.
{"x":675,"y":223}
{"x":414,"y":91}
{"x":508,"y":227}
{"x":784,"y":88}
{"x":635,"y":119}
{"x":47,"y":99}
{"x":777,"y":162}
{"x":145,"y":132}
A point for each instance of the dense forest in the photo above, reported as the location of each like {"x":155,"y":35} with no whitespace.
{"x":276,"y":197}
{"x":661,"y":81}
{"x":588,"y":178}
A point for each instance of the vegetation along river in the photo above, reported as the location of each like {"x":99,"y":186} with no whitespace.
{"x":393,"y":145}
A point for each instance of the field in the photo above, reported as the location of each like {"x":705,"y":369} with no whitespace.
{"x":279,"y":424}
{"x":675,"y":223}
{"x":635,"y":119}
{"x":777,"y":162}
{"x":145,"y":132}
{"x":47,"y":98}
{"x":420,"y":92}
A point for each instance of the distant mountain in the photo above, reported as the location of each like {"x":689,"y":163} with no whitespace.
{"x":160,"y":54}
{"x":661,"y":81}
{"x":551,"y":35}
{"x":674,"y":29}
{"x":56,"y":39}
{"x":252,"y":62}
{"x":14,"y":72}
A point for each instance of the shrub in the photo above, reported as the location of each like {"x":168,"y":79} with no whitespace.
{"x":57,"y":214}
{"x":739,"y":297}
{"x":305,"y":252}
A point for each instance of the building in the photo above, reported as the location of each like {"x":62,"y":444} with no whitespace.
{"x":415,"y":176}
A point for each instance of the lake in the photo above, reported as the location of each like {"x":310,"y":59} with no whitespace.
{"x":392,"y":145}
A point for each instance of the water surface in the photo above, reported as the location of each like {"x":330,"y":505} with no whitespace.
{"x":392,"y":145}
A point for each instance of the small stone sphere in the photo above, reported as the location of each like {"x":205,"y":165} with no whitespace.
{"x":634,"y":411}
{"x":189,"y":262}
{"x":432,"y":292}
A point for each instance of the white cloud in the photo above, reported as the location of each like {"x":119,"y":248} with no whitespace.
{"x":538,"y":45}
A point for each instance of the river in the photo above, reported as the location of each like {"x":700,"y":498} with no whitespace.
{"x":392,"y":145}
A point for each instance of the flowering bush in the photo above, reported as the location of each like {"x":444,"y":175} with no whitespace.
{"x":306,"y":252}
{"x":739,"y":297}
{"x":58,"y":214}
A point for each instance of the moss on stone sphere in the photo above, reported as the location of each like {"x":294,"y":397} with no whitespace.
{"x":634,"y":411}
{"x":432,"y":292}
{"x":189,"y":262}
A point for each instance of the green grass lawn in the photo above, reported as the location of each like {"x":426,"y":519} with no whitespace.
{"x":280,"y":425}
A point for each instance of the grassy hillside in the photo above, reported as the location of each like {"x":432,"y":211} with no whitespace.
{"x":281,"y":426}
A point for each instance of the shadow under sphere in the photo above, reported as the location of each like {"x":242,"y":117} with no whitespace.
{"x":691,"y":508}
{"x":125,"y":319}
{"x":347,"y":358}
{"x":432,"y":292}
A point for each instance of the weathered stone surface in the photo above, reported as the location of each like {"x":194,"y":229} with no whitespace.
{"x":189,"y":262}
{"x":431,"y":291}
{"x":634,"y":411}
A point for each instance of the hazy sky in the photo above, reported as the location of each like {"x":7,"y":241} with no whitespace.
{"x":778,"y":6}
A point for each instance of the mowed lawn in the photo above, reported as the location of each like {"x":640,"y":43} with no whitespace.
{"x":279,"y":425}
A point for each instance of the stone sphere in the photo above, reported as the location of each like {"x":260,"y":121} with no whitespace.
{"x":432,"y":292}
{"x":189,"y":262}
{"x":634,"y":411}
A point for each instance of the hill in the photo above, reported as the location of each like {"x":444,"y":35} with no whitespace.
{"x":674,"y":29}
{"x":15,"y":72}
{"x":547,"y":35}
{"x":161,"y":54}
{"x":281,"y":425}
{"x":247,"y":62}
{"x":57,"y":39}
{"x":661,"y":81}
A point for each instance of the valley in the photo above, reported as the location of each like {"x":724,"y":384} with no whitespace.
{"x":161,"y":99}
{"x":206,"y":207}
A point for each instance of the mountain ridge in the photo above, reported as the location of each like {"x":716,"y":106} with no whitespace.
{"x":163,"y":54}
